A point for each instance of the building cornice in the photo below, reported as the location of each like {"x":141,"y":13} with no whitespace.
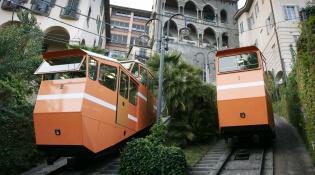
{"x":244,"y":9}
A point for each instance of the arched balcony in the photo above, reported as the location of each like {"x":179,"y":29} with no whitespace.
{"x":173,"y":35}
{"x":208,"y":14}
{"x":190,"y":11}
{"x":170,"y":7}
{"x":209,"y":39}
{"x":192,"y":38}
{"x":56,"y":38}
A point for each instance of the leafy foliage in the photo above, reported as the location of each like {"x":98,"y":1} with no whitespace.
{"x":298,"y":97}
{"x":95,"y":49}
{"x":18,"y":151}
{"x":20,"y":55}
{"x":149,"y":156}
{"x":190,"y":103}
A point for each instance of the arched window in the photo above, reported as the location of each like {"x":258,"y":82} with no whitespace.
{"x":223,"y":16}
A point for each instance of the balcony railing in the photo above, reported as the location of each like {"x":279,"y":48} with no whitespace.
{"x":141,"y":54}
{"x":41,"y":7}
{"x":189,"y":42}
{"x":69,"y":12}
{"x":137,"y":42}
{"x":8,"y":5}
{"x":191,"y":18}
{"x":207,"y":21}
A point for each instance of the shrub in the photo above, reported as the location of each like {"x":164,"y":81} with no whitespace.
{"x":148,"y":155}
{"x":18,"y":150}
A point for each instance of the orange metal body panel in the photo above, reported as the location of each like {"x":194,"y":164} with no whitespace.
{"x":70,"y":125}
{"x":255,"y":110}
{"x":145,"y":118}
{"x":132,"y":110}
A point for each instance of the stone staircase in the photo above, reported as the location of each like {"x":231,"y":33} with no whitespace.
{"x":210,"y":159}
{"x":111,"y":169}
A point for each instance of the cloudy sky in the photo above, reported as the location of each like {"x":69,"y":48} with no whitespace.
{"x":147,"y":4}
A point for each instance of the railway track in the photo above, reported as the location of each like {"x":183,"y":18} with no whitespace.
{"x":107,"y":165}
{"x":223,"y":160}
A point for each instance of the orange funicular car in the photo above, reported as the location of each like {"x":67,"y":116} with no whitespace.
{"x":89,"y":104}
{"x":244,"y":103}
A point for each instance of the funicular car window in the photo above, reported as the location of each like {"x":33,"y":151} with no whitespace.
{"x":60,"y":72}
{"x":133,"y":91}
{"x":135,"y":70}
{"x":60,"y":65}
{"x":143,"y":76}
{"x":92,"y":68}
{"x":238,"y":62}
{"x":127,"y":65}
{"x":108,"y":76}
{"x":123,"y":89}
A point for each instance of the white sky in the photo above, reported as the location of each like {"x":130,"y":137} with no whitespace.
{"x":147,"y":4}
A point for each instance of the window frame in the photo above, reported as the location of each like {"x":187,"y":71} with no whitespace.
{"x":239,"y":69}
{"x":290,"y":12}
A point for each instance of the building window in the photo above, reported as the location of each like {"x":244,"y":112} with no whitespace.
{"x":143,"y":52}
{"x":123,"y":14}
{"x":269,"y":23}
{"x":256,"y":9}
{"x":88,"y":16}
{"x":116,"y":53}
{"x":262,"y":1}
{"x":120,"y":39}
{"x":71,"y":11}
{"x":241,"y":27}
{"x":139,"y":27}
{"x":101,"y":7}
{"x":103,"y":25}
{"x":42,"y":7}
{"x":10,"y":5}
{"x":138,"y":16}
{"x":100,"y":41}
{"x":290,"y":12}
{"x":250,"y":22}
{"x":119,"y":24}
{"x":223,"y":16}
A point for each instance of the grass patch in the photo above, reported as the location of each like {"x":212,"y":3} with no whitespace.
{"x":194,"y":152}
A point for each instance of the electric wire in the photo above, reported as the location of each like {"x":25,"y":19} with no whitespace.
{"x":116,"y":41}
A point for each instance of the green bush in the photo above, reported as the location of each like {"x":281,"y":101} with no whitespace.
{"x":190,"y":103}
{"x":20,"y":55}
{"x":18,"y":150}
{"x":146,"y":156}
{"x":298,"y":96}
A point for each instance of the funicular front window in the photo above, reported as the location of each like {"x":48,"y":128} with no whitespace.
{"x":63,"y":68}
{"x":239,"y":62}
{"x":127,"y":65}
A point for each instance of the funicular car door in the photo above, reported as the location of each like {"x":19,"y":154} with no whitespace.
{"x":122,"y":102}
